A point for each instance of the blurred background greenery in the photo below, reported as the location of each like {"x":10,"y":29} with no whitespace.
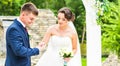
{"x":110,"y":24}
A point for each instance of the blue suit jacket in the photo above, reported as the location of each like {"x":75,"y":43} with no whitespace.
{"x":18,"y":46}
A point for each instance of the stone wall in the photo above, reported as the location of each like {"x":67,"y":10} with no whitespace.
{"x":36,"y":31}
{"x":1,"y":40}
{"x":112,"y":60}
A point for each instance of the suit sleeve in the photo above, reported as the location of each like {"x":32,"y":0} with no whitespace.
{"x":17,"y":44}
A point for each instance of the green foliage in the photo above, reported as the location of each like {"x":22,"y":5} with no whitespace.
{"x":79,"y":11}
{"x":10,"y":7}
{"x":110,"y":23}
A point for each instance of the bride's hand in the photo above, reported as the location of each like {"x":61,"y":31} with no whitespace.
{"x":67,"y":59}
{"x":42,"y":46}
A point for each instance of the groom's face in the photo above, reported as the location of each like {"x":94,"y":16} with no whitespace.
{"x":62,"y":21}
{"x":28,"y":18}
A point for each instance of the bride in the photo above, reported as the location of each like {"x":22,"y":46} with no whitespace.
{"x":61,"y":35}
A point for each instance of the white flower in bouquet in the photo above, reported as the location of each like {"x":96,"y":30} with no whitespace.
{"x":65,"y":53}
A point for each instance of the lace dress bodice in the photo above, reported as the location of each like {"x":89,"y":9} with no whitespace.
{"x":57,"y":42}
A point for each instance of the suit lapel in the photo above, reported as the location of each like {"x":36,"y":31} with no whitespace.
{"x":23,"y":32}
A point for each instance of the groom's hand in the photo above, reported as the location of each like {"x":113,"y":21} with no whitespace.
{"x":38,"y":47}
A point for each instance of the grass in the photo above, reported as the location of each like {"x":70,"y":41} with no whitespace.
{"x":84,"y":61}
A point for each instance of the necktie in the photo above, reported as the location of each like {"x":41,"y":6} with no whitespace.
{"x":26,"y":30}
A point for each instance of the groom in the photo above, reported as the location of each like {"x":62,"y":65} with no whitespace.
{"x":17,"y":39}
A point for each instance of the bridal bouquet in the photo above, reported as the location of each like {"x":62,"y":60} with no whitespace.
{"x":64,"y":53}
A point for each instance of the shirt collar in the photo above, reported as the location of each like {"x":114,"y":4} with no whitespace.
{"x":21,"y":22}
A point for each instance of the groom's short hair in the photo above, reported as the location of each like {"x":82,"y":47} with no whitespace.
{"x":29,"y":7}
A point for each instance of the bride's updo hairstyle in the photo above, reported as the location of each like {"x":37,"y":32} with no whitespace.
{"x":68,"y":13}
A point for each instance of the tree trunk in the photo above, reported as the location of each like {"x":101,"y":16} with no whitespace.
{"x":83,"y":35}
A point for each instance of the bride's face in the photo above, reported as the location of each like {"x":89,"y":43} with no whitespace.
{"x":62,"y":21}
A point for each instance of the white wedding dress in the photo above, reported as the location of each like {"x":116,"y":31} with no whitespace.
{"x":51,"y":56}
